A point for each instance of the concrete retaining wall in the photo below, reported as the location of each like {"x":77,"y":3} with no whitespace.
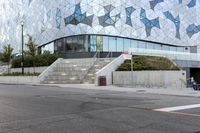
{"x":19,"y":79}
{"x":110,"y":68}
{"x":151,"y":79}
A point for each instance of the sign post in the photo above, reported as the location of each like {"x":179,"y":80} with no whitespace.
{"x":131,"y":53}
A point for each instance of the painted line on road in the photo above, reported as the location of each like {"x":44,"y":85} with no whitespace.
{"x":185,"y":114}
{"x":178,"y":108}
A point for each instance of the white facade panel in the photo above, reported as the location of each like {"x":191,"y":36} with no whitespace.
{"x":173,"y":22}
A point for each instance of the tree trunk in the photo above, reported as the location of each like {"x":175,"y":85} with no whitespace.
{"x":9,"y":67}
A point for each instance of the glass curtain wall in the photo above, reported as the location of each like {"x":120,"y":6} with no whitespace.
{"x":99,"y":43}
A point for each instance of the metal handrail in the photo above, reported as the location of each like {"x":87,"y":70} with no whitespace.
{"x":170,"y":54}
{"x":108,"y":55}
{"x":94,"y":60}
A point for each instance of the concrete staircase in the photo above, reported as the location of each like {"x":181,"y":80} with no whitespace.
{"x":74,"y":71}
{"x":99,"y":64}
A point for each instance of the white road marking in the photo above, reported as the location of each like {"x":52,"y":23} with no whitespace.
{"x":178,"y":108}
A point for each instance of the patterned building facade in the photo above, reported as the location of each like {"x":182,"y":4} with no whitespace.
{"x":102,"y":25}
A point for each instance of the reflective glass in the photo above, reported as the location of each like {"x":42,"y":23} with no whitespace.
{"x":59,"y":46}
{"x":141,"y":44}
{"x":134,"y":44}
{"x":172,"y":48}
{"x":127,"y":45}
{"x":167,"y":48}
{"x":93,"y":44}
{"x":157,"y":47}
{"x":99,"y":43}
{"x":112,"y":44}
{"x":120,"y":45}
{"x":105,"y":44}
{"x":49,"y":47}
{"x":180,"y":49}
{"x":150,"y":45}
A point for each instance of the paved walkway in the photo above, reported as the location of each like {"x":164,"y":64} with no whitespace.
{"x":162,"y":91}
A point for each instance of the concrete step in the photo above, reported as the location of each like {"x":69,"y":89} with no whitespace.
{"x":73,"y":65}
{"x":63,"y":69}
{"x":64,"y":77}
{"x":74,"y":70}
{"x":67,"y":73}
{"x":61,"y":82}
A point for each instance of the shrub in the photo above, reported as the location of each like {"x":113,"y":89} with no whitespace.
{"x":20,"y":74}
{"x":148,"y":63}
{"x":38,"y":60}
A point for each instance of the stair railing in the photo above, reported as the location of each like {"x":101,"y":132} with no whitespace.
{"x":94,"y":60}
{"x":108,"y":55}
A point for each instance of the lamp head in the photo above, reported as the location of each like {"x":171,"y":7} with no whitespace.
{"x":22,"y":22}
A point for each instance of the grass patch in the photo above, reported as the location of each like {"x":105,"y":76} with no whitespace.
{"x":151,"y":63}
{"x":20,"y":74}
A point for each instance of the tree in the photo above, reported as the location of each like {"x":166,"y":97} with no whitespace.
{"x":7,"y":54}
{"x":31,"y":50}
{"x":32,"y":47}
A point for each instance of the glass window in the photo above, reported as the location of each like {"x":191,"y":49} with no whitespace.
{"x":150,"y":45}
{"x":157,"y":47}
{"x":99,"y":43}
{"x":68,"y":41}
{"x":134,"y":44}
{"x":59,"y":46}
{"x":141,"y":44}
{"x":187,"y":49}
{"x":49,"y":47}
{"x":180,"y":49}
{"x":166,"y":48}
{"x":105,"y":44}
{"x":172,"y":48}
{"x":127,"y":45}
{"x":112,"y":44}
{"x":86,"y":43}
{"x":93,"y":44}
{"x":120,"y":45}
{"x":74,"y":44}
{"x":74,"y":39}
{"x":81,"y":40}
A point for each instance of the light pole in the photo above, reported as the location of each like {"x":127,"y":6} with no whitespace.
{"x":22,"y":61}
{"x":131,"y":53}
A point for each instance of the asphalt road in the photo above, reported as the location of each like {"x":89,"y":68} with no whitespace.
{"x":44,"y":109}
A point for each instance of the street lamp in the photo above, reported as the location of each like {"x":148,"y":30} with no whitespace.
{"x":22,"y":60}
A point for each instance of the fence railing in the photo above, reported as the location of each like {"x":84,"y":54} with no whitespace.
{"x":170,"y":54}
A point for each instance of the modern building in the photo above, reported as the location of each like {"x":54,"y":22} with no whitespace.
{"x":103,"y":25}
{"x":89,"y":26}
{"x":117,"y":26}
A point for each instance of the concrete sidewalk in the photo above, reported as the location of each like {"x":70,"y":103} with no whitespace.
{"x":161,"y":91}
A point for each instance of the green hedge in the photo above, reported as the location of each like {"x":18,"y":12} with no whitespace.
{"x":20,"y":74}
{"x":39,"y":60}
{"x":137,"y":66}
{"x":141,"y":63}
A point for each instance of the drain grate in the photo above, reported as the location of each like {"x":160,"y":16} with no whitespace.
{"x":141,"y":91}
